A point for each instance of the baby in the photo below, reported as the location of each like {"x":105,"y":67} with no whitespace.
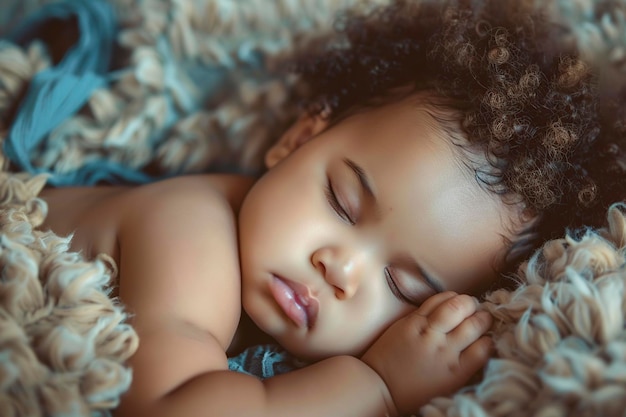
{"x":439,"y":146}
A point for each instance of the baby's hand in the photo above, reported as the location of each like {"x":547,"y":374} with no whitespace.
{"x":433,"y":351}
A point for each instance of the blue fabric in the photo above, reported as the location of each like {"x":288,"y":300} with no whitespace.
{"x":59,"y":92}
{"x":264,"y":361}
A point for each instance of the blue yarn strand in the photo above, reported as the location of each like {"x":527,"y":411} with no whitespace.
{"x":57,"y":93}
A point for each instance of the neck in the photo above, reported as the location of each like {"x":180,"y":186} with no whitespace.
{"x":247,"y":335}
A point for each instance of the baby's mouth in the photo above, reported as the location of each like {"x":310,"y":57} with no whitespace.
{"x":295,"y":301}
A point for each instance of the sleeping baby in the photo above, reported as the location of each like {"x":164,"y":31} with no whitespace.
{"x":437,"y":147}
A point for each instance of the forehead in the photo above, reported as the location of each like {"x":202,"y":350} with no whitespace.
{"x":432,"y":205}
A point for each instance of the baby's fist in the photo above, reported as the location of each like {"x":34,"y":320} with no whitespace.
{"x":433,"y":351}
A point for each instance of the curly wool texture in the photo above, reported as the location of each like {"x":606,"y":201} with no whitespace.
{"x":560,"y":337}
{"x":63,"y":340}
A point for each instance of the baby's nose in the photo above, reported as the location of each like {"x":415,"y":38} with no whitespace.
{"x":340,"y":268}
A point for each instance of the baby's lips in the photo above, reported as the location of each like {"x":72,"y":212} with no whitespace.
{"x":312,"y":308}
{"x":296,"y":301}
{"x":310,"y":303}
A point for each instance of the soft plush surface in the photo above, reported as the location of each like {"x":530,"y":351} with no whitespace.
{"x":63,"y":341}
{"x":560,"y":337}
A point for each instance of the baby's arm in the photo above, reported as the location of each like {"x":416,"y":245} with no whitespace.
{"x":340,"y":387}
{"x":433,"y":351}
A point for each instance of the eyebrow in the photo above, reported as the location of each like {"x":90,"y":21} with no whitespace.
{"x":408,"y":261}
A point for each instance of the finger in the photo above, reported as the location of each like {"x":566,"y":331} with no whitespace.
{"x":476,"y":355}
{"x":431,"y":303}
{"x":449,"y":314}
{"x":470,"y":330}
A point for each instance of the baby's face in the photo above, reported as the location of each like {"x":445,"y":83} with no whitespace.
{"x":358,"y":226}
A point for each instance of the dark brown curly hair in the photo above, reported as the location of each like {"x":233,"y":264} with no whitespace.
{"x":554,"y":142}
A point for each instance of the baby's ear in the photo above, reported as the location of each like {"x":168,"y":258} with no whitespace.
{"x":306,"y":127}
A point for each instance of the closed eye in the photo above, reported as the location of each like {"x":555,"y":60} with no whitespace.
{"x":395,"y":290}
{"x":341,"y":211}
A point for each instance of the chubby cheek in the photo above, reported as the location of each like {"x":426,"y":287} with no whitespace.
{"x":279,"y":207}
{"x":356,"y":331}
{"x":389,"y":316}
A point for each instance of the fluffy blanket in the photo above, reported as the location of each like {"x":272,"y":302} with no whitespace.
{"x":197,"y":85}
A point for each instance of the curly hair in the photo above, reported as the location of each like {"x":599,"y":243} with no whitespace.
{"x":554,"y":143}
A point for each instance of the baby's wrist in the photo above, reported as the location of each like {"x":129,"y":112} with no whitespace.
{"x":385,"y":392}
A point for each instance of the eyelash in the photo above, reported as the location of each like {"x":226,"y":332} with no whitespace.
{"x":336,"y":205}
{"x":394,"y":287}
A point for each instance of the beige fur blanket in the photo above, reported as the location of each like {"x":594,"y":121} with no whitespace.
{"x":560,"y":337}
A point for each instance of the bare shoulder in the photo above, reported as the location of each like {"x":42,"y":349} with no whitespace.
{"x":178,"y":253}
{"x":218,"y":191}
{"x":94,"y":215}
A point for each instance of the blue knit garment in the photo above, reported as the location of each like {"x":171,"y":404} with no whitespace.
{"x":264,"y":361}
